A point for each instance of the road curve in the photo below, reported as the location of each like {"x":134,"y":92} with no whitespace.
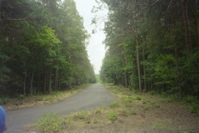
{"x":88,"y":99}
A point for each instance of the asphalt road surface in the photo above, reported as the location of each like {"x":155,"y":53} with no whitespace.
{"x":88,"y":99}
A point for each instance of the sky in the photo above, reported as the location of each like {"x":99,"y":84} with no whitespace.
{"x":95,"y":48}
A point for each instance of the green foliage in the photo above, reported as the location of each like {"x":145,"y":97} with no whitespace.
{"x":68,"y":121}
{"x":4,"y":101}
{"x":157,"y":106}
{"x":4,"y":70}
{"x":81,"y":115}
{"x":98,"y":111}
{"x":193,"y":103}
{"x":126,"y":99}
{"x":20,"y":97}
{"x":144,"y":102}
{"x":165,"y":71}
{"x":114,"y":104}
{"x":148,"y":51}
{"x":138,"y":98}
{"x":195,"y":108}
{"x":133,"y":112}
{"x":146,"y":108}
{"x":46,"y":51}
{"x":112,"y":116}
{"x":49,"y":123}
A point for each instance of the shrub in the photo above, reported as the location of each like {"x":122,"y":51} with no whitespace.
{"x":68,"y":121}
{"x":194,"y":104}
{"x":138,"y":98}
{"x":194,"y":108}
{"x":81,"y":115}
{"x":126,"y":99}
{"x":20,"y":97}
{"x":146,"y":108}
{"x":144,"y":102}
{"x":153,"y":92}
{"x":114,"y":104}
{"x":98,"y":111}
{"x":157,"y":106}
{"x":133,"y":112}
{"x":112,"y":116}
{"x":4,"y":100}
{"x":49,"y":123}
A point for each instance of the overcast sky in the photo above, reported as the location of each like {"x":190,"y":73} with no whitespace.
{"x":95,"y":48}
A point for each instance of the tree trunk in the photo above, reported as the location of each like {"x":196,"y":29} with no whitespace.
{"x":50,"y":81}
{"x":45,"y":80}
{"x":186,"y":27}
{"x":144,"y":69}
{"x":31,"y":83}
{"x":56,"y":76}
{"x":24,"y":83}
{"x":138,"y":62}
{"x":197,"y":23}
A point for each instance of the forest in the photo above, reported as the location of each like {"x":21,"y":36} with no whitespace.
{"x":42,"y":47}
{"x":153,"y":46}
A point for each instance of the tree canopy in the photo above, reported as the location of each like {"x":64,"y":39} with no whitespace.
{"x":153,"y":45}
{"x":42,"y":47}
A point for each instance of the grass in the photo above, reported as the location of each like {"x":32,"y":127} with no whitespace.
{"x":146,"y":108}
{"x":133,"y":112}
{"x":80,"y":115}
{"x":98,"y":111}
{"x":23,"y":102}
{"x":130,"y":113}
{"x":114,"y":104}
{"x":157,"y":106}
{"x":138,"y":98}
{"x":3,"y":101}
{"x":144,"y":102}
{"x":50,"y":123}
{"x":112,"y":116}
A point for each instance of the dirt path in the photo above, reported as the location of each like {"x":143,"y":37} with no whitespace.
{"x":88,"y":99}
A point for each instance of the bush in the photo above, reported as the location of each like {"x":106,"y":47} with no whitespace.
{"x":3,"y":101}
{"x":81,"y":115}
{"x":20,"y":97}
{"x":98,"y":111}
{"x":195,"y":108}
{"x":112,"y":116}
{"x":50,"y":123}
{"x":157,"y":106}
{"x":114,"y":104}
{"x":193,"y":102}
{"x":133,"y":112}
{"x":126,"y":99}
{"x":144,"y":102}
{"x":153,"y":92}
{"x":138,"y":98}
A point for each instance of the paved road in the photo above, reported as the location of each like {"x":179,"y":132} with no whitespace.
{"x":88,"y":99}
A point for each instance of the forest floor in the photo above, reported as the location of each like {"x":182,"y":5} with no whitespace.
{"x":42,"y":99}
{"x":133,"y":113}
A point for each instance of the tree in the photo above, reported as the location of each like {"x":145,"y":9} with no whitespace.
{"x":42,"y":44}
{"x":156,"y":39}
